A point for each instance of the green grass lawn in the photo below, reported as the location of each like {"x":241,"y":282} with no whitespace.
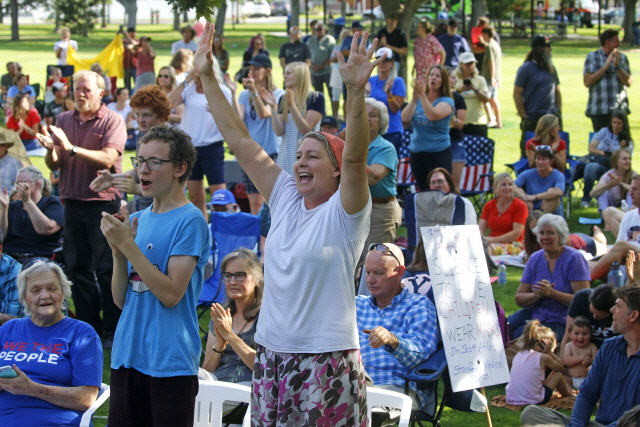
{"x":35,"y":52}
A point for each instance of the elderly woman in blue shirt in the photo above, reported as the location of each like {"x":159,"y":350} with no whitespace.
{"x":430,"y":112}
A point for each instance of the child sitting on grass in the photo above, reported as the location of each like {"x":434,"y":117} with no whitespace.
{"x":579,"y":353}
{"x":529,"y":385}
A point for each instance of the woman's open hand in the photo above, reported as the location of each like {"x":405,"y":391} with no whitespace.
{"x":355,"y":72}
{"x":203,"y":60}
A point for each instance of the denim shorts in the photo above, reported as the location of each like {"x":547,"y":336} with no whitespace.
{"x":458,"y":151}
{"x":210,"y":162}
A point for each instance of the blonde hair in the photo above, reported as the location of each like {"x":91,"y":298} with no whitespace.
{"x":181,"y":59}
{"x":172,"y":74}
{"x":301,"y":91}
{"x":497,"y":181}
{"x":383,"y":113}
{"x":38,"y":176}
{"x":545,"y":124}
{"x":535,"y":334}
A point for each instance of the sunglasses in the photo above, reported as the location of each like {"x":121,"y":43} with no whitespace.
{"x":545,"y":148}
{"x":32,"y":261}
{"x":382,"y":248}
{"x":164,"y":76}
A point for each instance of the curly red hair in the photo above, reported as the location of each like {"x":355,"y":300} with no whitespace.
{"x":153,"y":97}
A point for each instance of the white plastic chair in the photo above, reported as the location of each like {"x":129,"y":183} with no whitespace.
{"x":390,"y":399}
{"x":210,"y":398}
{"x":204,"y":375}
{"x":104,"y":394}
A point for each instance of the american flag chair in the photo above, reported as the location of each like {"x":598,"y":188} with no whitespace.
{"x":477,"y":176}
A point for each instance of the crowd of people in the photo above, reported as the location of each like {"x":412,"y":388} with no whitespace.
{"x":286,"y":319}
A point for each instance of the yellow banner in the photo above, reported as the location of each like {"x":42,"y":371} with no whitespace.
{"x":110,"y":59}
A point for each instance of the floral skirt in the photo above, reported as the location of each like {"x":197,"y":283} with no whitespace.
{"x":305,"y":390}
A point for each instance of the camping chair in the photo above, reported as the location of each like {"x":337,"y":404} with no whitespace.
{"x":428,"y":208}
{"x":229,"y":232}
{"x":105,"y":392}
{"x":378,"y":397}
{"x":405,"y":181}
{"x":67,"y":72}
{"x":476,"y":179}
{"x":210,"y":399}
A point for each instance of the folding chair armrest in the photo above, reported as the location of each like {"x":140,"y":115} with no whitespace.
{"x":429,"y":370}
{"x":102,"y":397}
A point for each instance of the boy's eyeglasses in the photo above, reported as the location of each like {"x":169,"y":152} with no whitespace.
{"x":152,"y":164}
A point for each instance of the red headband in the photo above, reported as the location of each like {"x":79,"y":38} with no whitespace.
{"x":337,"y":146}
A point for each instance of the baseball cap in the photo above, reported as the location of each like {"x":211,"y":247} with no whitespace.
{"x":145,"y":38}
{"x":356,"y":24}
{"x":467,"y":57}
{"x":56,"y":86}
{"x":329,"y":120}
{"x":222,"y":197}
{"x":261,"y":60}
{"x":540,"y":41}
{"x":453,"y":23}
{"x":384,"y":50}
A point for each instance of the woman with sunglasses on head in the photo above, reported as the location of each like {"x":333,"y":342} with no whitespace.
{"x":31,"y":225}
{"x":256,"y":114}
{"x":541,"y":188}
{"x":231,"y":349}
{"x":607,"y":140}
{"x":320,"y":219}
{"x":57,"y":360}
{"x":547,"y":134}
{"x":167,"y":81}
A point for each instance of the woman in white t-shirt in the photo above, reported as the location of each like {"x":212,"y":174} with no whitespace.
{"x":319,"y":222}
{"x":62,"y":46}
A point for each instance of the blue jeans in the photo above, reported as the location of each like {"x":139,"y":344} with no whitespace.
{"x":592,"y":172}
{"x":518,"y":320}
{"x":636,"y":35}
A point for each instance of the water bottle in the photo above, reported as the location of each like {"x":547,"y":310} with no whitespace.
{"x":615,"y":276}
{"x":502,"y":274}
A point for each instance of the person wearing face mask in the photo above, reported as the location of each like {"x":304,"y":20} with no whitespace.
{"x":537,"y":88}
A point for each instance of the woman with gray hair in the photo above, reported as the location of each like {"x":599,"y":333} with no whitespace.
{"x":32,"y":225}
{"x":57,"y":360}
{"x":551,"y":278}
{"x":382,"y":164}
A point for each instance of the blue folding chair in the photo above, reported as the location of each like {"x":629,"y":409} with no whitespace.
{"x":476,"y":178}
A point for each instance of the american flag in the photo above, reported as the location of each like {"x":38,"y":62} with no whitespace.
{"x":479,"y":161}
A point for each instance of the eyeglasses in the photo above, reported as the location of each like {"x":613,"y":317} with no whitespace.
{"x":545,"y":148}
{"x":382,"y":248}
{"x":164,"y":76}
{"x":152,"y":164}
{"x":32,"y":261}
{"x":240,"y":276}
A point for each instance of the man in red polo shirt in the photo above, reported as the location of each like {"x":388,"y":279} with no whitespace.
{"x":87,"y":140}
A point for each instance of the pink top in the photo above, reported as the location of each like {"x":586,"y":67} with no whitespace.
{"x":527,"y":377}
{"x":145,"y":63}
{"x":426,"y":53}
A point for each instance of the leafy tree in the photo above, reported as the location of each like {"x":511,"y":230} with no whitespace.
{"x":79,"y":15}
{"x":19,"y":5}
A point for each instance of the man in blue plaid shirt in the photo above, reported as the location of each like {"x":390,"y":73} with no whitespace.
{"x":398,"y":330}
{"x":10,"y":306}
{"x":606,"y":74}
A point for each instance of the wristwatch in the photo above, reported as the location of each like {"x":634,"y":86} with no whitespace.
{"x":73,"y":151}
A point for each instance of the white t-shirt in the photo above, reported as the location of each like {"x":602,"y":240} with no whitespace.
{"x":124,"y":112}
{"x":197,"y":120}
{"x":64,"y":46}
{"x":180,"y":44}
{"x":309,"y":297}
{"x":630,"y":228}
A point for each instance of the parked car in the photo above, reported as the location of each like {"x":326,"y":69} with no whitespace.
{"x":280,"y":8}
{"x":256,"y":8}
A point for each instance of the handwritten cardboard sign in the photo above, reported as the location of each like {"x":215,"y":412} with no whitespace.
{"x":465,"y":306}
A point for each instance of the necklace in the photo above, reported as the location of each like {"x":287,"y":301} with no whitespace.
{"x":244,"y":326}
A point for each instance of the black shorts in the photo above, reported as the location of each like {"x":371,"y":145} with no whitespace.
{"x":141,"y":400}
{"x":210,"y":162}
{"x":547,"y":395}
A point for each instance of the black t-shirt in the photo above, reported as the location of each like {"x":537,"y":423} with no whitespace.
{"x":456,"y":135}
{"x":601,"y":328}
{"x":22,"y":238}
{"x":315,"y":102}
{"x":54,"y":109}
{"x":294,"y":52}
{"x":396,"y":38}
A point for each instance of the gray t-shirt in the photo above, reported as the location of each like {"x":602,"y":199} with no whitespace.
{"x":321,"y":51}
{"x":309,"y":297}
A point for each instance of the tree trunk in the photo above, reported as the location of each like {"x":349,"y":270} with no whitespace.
{"x":176,"y":20}
{"x":103,"y":14}
{"x":185,"y":16}
{"x":131,"y":10}
{"x":295,"y":13}
{"x":56,"y":30}
{"x":629,"y":18}
{"x":15,"y":33}
{"x":478,"y":10}
{"x":222,"y":13}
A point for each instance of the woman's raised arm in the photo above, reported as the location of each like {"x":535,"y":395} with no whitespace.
{"x":252,"y":158}
{"x":354,"y":189}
